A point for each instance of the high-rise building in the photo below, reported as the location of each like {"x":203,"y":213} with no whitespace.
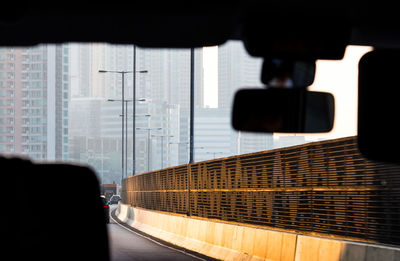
{"x":34,"y":94}
{"x":165,"y":86}
{"x":58,"y":91}
{"x":236,"y":69}
{"x":95,"y":136}
{"x":10,"y":102}
{"x":168,"y":78}
{"x":214,"y":136}
{"x":86,"y":60}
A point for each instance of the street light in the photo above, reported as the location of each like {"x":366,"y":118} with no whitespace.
{"x":178,"y":148}
{"x":162,"y":147}
{"x":196,"y":148}
{"x":187,"y":143}
{"x":214,"y":153}
{"x":143,"y":115}
{"x":148,"y":143}
{"x":123,"y":112}
{"x":134,"y":110}
{"x":126,"y":125}
{"x":126,"y":133}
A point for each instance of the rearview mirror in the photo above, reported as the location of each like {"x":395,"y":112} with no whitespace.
{"x":283,"y":110}
{"x":287,"y":73}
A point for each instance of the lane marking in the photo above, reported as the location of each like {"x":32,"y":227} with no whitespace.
{"x":158,"y":243}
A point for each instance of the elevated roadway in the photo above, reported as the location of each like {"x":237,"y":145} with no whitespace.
{"x":317,"y":201}
{"x":127,"y":244}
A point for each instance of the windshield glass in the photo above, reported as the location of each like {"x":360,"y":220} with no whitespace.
{"x":73,"y":102}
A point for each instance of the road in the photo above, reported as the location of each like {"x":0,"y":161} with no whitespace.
{"x":126,"y":245}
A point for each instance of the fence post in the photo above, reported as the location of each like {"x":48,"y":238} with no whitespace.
{"x":189,"y":211}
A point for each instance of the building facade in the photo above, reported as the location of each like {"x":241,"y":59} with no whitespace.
{"x":34,"y":94}
{"x":214,"y":136}
{"x":236,"y":70}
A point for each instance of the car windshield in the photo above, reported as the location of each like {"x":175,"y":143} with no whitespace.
{"x":64,"y":102}
{"x":125,"y":111}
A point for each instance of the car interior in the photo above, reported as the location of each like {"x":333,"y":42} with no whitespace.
{"x":290,"y":36}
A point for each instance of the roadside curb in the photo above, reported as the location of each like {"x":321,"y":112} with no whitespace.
{"x":160,"y":241}
{"x":222,"y":241}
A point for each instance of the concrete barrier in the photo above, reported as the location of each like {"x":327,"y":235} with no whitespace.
{"x":226,"y":241}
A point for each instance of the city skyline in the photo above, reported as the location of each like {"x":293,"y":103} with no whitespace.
{"x":165,"y":89}
{"x":55,"y":104}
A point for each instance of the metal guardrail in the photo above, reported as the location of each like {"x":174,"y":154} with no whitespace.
{"x":326,"y":188}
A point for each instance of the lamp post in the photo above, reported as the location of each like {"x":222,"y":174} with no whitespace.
{"x":126,"y":126}
{"x":178,"y":149}
{"x":162,"y":145}
{"x":191,"y":126}
{"x":124,"y":134}
{"x":123,"y":111}
{"x":194,"y":150}
{"x":134,"y":111}
{"x":187,"y":143}
{"x":148,"y":143}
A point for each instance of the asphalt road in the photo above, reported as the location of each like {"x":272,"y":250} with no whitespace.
{"x":126,"y":245}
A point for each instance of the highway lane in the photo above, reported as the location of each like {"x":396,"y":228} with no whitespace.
{"x":127,"y":245}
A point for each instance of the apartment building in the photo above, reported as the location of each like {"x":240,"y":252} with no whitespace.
{"x":34,"y":94}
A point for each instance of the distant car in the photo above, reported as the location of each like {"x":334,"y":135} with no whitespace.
{"x":106,"y":209}
{"x":114,"y":199}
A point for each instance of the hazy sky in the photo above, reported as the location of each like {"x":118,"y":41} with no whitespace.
{"x":336,"y":77}
{"x":210,"y":66}
{"x":341,"y":79}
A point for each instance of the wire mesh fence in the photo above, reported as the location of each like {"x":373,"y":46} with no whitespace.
{"x":325,"y":188}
